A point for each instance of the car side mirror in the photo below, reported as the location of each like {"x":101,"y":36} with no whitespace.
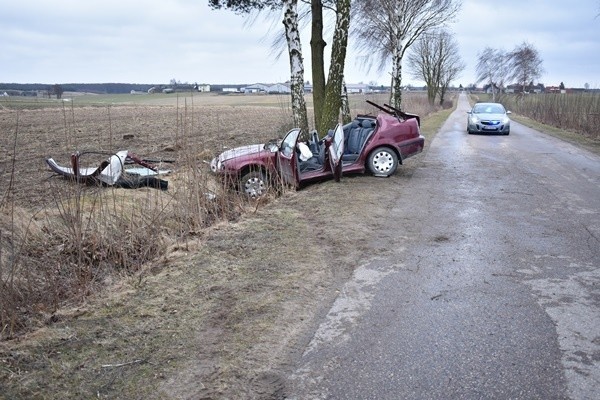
{"x":272,"y":146}
{"x":509,"y":112}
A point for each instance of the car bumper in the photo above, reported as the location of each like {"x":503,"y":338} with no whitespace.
{"x":413,"y":147}
{"x":481,"y":128}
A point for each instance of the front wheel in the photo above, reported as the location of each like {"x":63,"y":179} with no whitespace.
{"x":383,"y":161}
{"x":254,"y":184}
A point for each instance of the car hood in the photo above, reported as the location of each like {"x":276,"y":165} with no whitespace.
{"x":241,"y":151}
{"x":493,"y":117}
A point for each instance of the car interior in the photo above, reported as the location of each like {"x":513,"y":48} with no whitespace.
{"x":356,"y":134}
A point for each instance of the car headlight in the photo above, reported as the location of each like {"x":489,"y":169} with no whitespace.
{"x":216,"y":164}
{"x":505,"y":120}
{"x":474,"y":119}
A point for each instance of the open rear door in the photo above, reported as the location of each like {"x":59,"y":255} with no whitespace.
{"x":336,"y":149}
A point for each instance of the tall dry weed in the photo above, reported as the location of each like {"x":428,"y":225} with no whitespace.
{"x":61,"y":241}
{"x":577,"y":112}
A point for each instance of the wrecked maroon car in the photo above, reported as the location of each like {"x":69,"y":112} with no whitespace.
{"x":374,"y":144}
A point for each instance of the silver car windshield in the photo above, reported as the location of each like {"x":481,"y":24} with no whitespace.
{"x":488,"y":109}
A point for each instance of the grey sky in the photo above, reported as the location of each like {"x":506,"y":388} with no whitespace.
{"x":145,"y":41}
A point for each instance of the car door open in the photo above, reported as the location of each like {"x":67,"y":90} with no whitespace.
{"x":336,"y":149}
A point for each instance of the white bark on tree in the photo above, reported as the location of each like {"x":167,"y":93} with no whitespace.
{"x":292,"y":34}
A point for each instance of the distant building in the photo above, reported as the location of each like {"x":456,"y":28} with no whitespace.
{"x":352,"y":88}
{"x":202,"y":88}
{"x":267,"y":88}
{"x":516,"y":88}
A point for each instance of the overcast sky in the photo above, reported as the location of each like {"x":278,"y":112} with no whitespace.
{"x":145,"y":41}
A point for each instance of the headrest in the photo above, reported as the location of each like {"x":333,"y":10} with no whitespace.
{"x":367,"y":123}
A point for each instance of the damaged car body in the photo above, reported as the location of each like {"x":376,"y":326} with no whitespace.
{"x":113,"y":171}
{"x":375,"y":144}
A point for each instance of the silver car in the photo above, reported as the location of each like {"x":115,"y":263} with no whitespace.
{"x":488,"y":118}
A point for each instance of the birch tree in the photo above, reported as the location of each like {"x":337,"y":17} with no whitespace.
{"x":292,"y":34}
{"x":492,"y":67}
{"x":525,"y":64}
{"x":387,"y":28}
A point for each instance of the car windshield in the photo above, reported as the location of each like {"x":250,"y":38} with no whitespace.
{"x":488,"y":109}
{"x":287,"y":146}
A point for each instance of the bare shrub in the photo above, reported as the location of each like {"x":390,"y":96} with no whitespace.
{"x":578,"y":112}
{"x":61,"y":241}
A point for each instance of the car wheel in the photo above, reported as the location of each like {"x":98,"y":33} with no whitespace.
{"x":507,"y":132}
{"x":254,"y":184}
{"x":383,"y":161}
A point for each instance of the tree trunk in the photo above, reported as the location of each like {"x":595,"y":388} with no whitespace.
{"x":292,"y":34}
{"x":443,"y":89}
{"x":333,"y":89}
{"x":346,"y":117}
{"x":317,"y":45}
{"x":396,"y":96}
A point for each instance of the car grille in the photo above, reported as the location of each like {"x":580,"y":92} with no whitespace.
{"x":490,"y":123}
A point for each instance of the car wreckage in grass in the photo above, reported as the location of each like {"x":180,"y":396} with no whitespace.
{"x":122,"y":169}
{"x":377,"y":144}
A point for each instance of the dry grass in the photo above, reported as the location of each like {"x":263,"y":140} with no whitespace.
{"x":60,"y":240}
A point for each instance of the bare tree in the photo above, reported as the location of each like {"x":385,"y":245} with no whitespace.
{"x":451,"y":68}
{"x":387,"y":28}
{"x":492,"y":67}
{"x":525,"y":64}
{"x":434,"y":58}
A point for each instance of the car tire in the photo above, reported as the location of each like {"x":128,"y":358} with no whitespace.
{"x":254,"y":184}
{"x":383,"y":161}
{"x":507,"y":132}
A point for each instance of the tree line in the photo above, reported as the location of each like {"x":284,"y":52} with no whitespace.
{"x":99,"y":88}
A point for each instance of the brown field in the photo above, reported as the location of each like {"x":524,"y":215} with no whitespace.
{"x":114,"y":293}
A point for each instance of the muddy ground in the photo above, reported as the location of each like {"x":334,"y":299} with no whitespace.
{"x":222,"y":313}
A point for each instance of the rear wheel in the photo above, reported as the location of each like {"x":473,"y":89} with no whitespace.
{"x":383,"y":161}
{"x":254,"y":184}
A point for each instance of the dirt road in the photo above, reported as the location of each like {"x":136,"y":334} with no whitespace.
{"x":482,"y":280}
